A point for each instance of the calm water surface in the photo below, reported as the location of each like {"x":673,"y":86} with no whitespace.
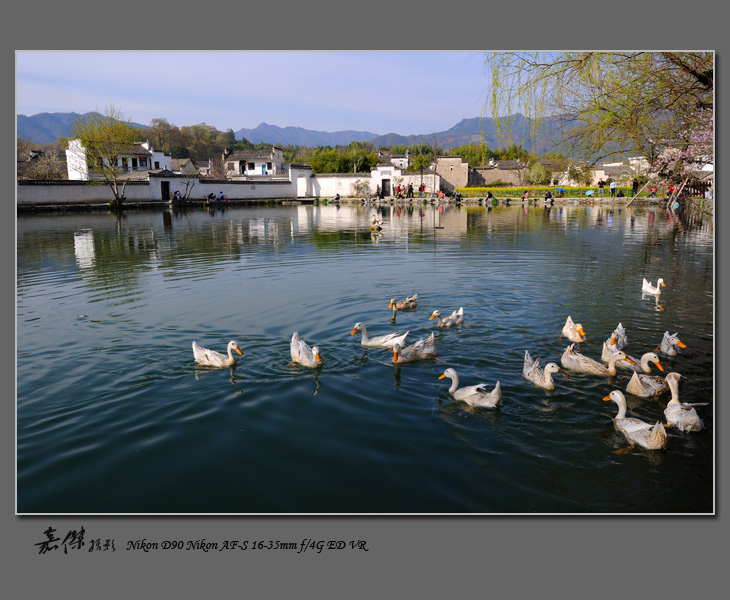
{"x":113,"y":415}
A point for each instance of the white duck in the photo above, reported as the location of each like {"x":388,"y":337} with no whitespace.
{"x":609,"y":349}
{"x":671,"y":344}
{"x":455,"y":318}
{"x":618,"y":338}
{"x":423,"y":348}
{"x":375,"y":223}
{"x":636,"y":431}
{"x":654,"y":290}
{"x":540,"y":377}
{"x":583,"y":364}
{"x":574,"y":331}
{"x":473,"y":395}
{"x":304,"y":355}
{"x":681,"y":415}
{"x":408,"y":303}
{"x":211,"y":358}
{"x":381,"y":341}
{"x":644,"y":385}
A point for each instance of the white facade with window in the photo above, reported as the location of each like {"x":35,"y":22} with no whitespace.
{"x":250,"y":163}
{"x":140,"y":157}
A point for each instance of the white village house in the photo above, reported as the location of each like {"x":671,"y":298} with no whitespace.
{"x":138,"y":157}
{"x":152,"y":176}
{"x":247,"y":163}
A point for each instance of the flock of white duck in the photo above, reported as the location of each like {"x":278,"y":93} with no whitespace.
{"x":681,"y":415}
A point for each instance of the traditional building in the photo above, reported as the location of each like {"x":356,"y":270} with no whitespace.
{"x":249,"y":163}
{"x":140,"y":156}
{"x":454,"y":172}
{"x":503,"y":172}
{"x":184,"y":166}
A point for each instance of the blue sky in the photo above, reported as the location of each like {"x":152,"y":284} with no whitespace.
{"x":381,"y":92}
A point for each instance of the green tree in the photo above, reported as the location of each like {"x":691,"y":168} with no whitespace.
{"x":514,"y":152}
{"x":107,"y":139}
{"x":420,"y":163}
{"x":165,"y":136}
{"x":476,"y":155}
{"x":329,"y":160}
{"x":200,"y":140}
{"x":581,"y":173}
{"x":225,"y":139}
{"x":538,"y":174}
{"x":362,"y":156}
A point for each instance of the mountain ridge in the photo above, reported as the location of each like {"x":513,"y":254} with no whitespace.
{"x":45,"y":128}
{"x":467,"y":131}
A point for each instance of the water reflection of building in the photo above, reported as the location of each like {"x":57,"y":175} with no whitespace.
{"x":84,"y":248}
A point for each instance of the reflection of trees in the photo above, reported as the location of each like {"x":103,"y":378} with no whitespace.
{"x":120,"y":244}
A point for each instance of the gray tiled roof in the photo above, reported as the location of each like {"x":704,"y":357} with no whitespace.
{"x":247,"y":154}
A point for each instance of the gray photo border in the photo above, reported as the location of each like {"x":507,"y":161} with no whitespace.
{"x":515,"y":557}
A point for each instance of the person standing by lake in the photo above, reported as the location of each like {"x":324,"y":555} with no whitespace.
{"x":601,"y":185}
{"x":612,"y":185}
{"x":635,"y":187}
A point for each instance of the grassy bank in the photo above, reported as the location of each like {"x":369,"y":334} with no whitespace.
{"x":538,"y":191}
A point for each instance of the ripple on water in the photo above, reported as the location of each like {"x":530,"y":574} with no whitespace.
{"x":114,"y":414}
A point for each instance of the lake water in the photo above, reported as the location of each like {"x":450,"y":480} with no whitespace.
{"x":113,"y":415}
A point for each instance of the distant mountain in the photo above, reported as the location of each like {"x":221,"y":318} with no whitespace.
{"x":296,"y":136}
{"x":519,"y":130}
{"x":45,"y":128}
{"x":467,"y":131}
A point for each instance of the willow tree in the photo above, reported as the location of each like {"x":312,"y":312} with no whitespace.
{"x":107,"y":140}
{"x":605,"y":104}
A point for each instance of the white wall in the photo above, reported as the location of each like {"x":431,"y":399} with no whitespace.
{"x":77,"y":193}
{"x":76,"y":161}
{"x":327,"y":186}
{"x":301,"y":183}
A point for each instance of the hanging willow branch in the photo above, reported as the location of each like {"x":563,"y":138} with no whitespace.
{"x":603,"y":103}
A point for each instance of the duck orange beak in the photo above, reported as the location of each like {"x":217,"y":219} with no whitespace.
{"x":442,"y":376}
{"x":607,"y":398}
{"x":239,"y":351}
{"x":659,"y":366}
{"x":354,"y":331}
{"x":681,"y":345}
{"x":628,"y":360}
{"x":391,"y":304}
{"x":580,"y":330}
{"x":432,"y":317}
{"x":319,"y":358}
{"x":663,"y":284}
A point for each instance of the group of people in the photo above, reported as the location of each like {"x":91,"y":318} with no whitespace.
{"x":213,"y":198}
{"x":402,"y":191}
{"x":616,"y":193}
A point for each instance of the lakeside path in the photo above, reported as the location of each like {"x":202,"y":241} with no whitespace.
{"x":704,"y":205}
